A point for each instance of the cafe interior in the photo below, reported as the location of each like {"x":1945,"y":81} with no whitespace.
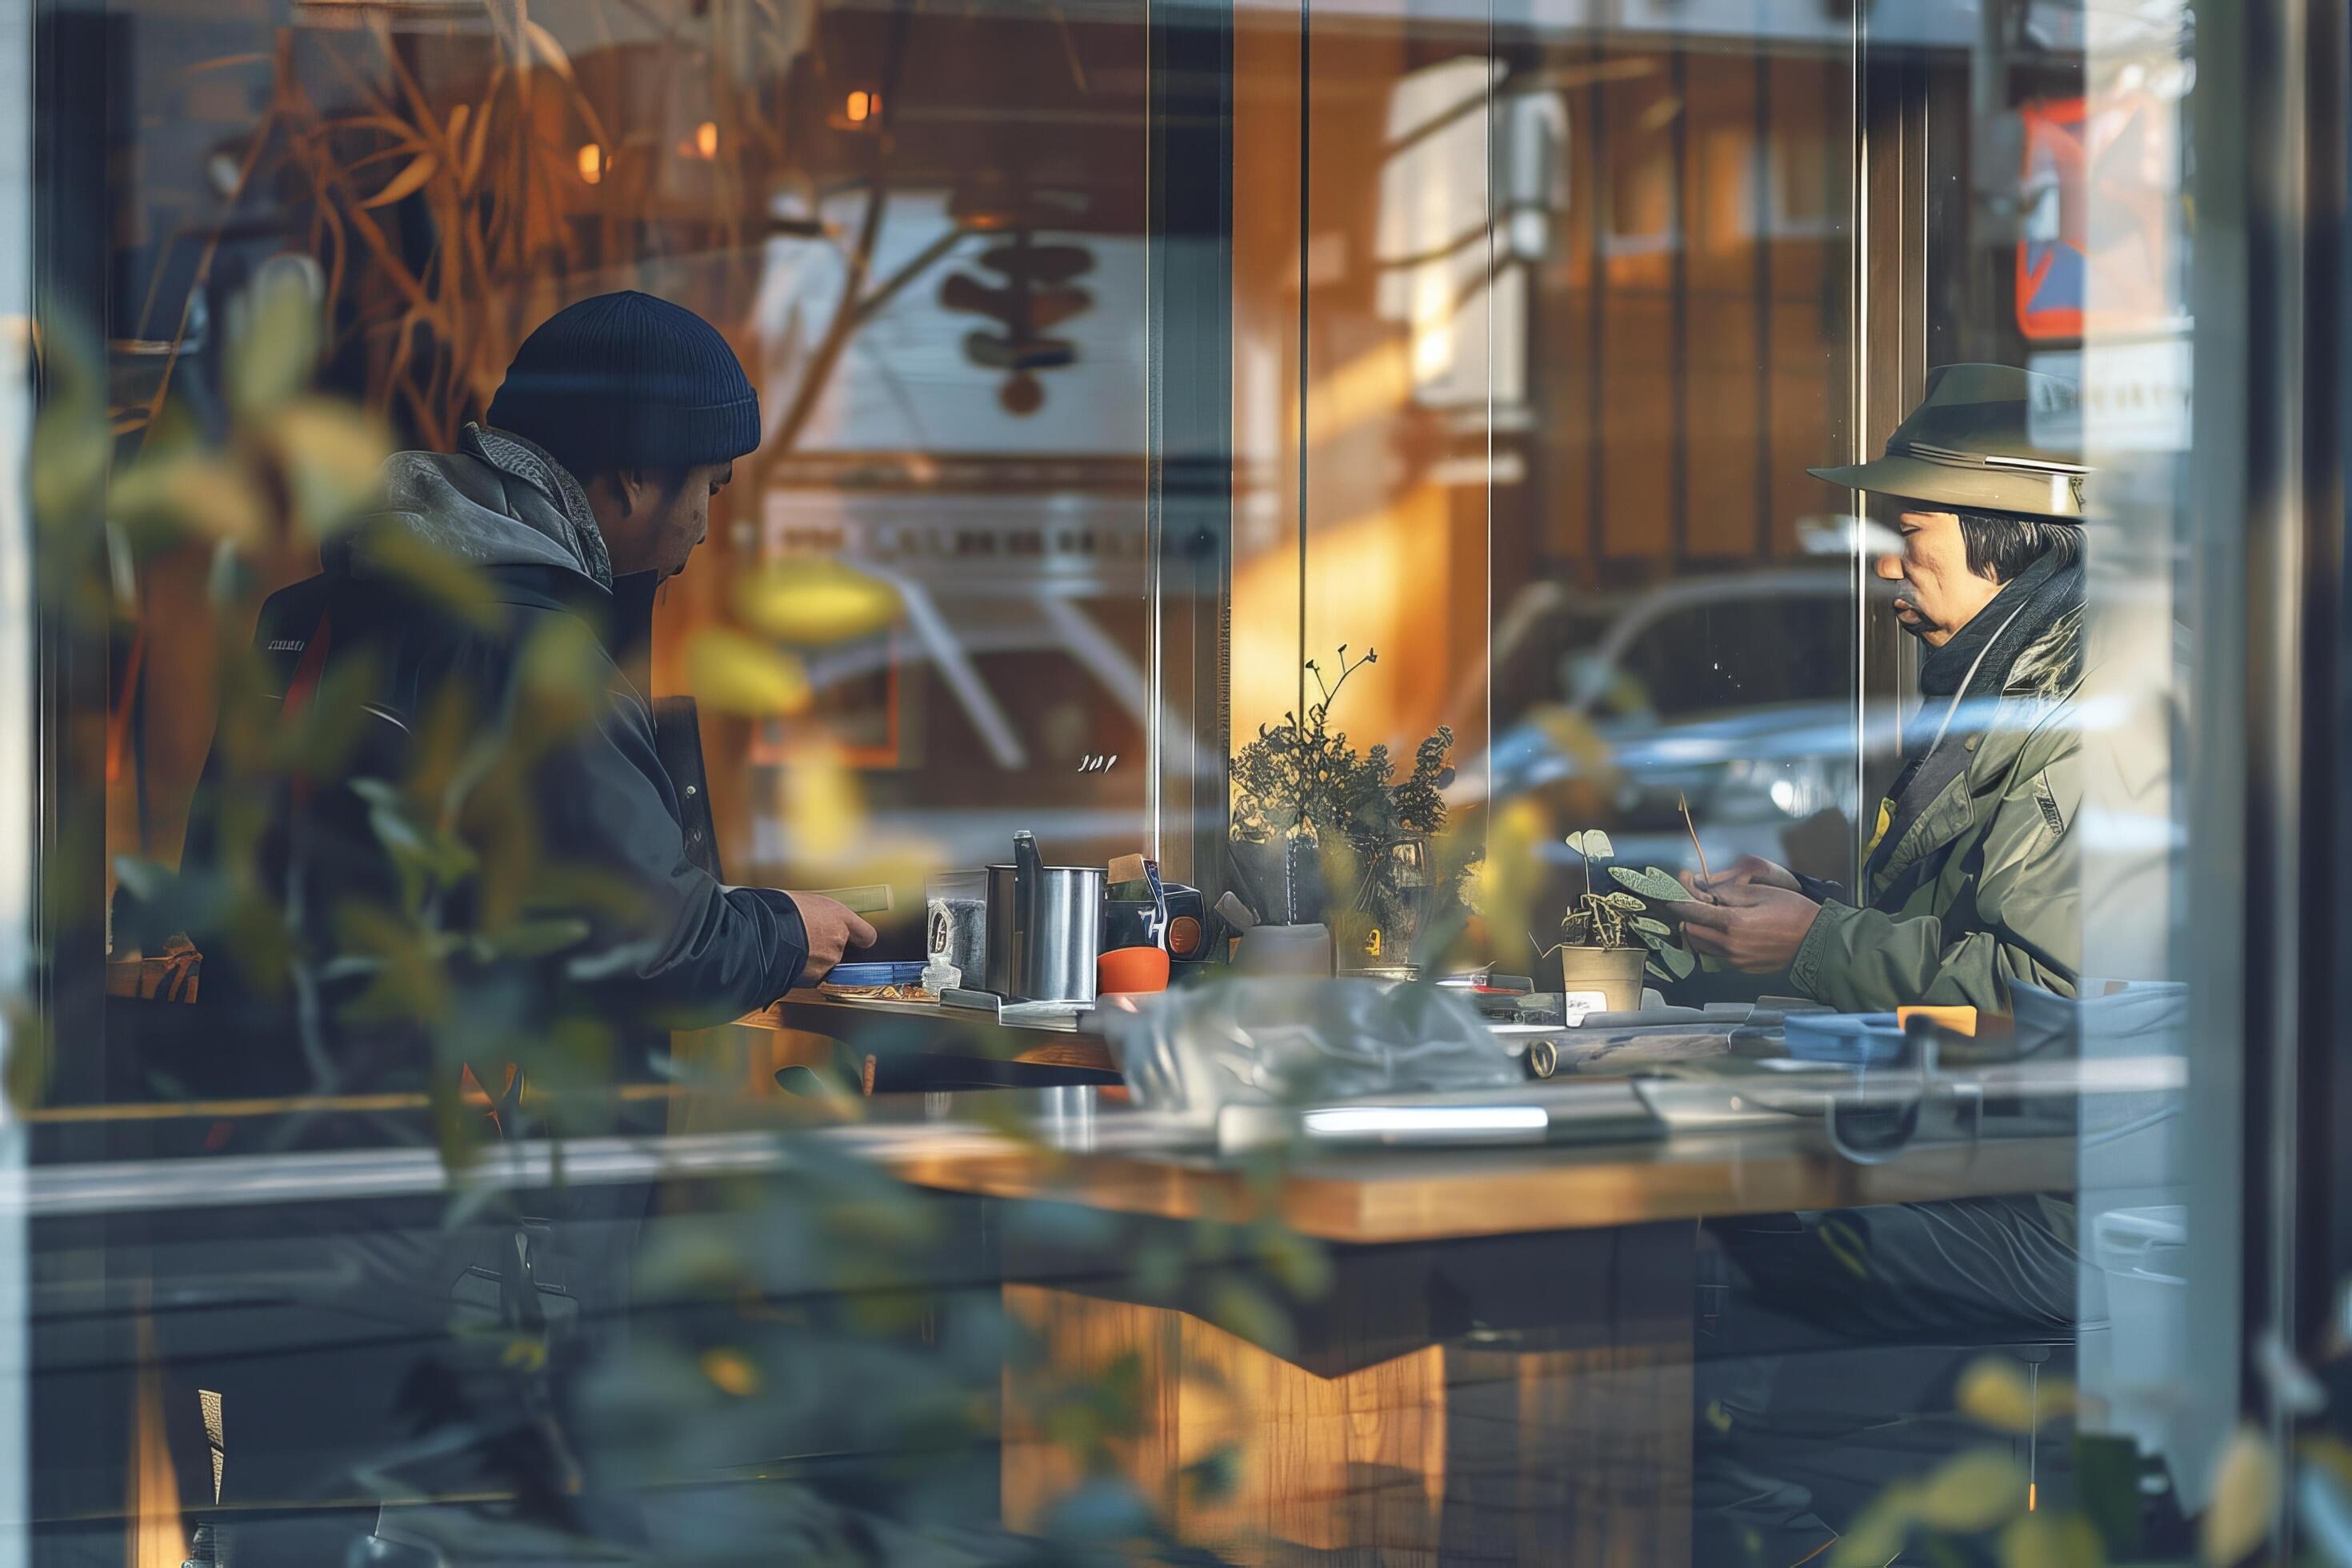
{"x":1303,"y":566}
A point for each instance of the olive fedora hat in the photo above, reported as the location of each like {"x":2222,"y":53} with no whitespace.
{"x":1969,"y":445}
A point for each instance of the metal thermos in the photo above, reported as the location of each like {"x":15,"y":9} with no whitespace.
{"x":1045,"y":927}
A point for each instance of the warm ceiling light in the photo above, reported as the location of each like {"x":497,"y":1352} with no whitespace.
{"x":864,"y":106}
{"x":591,"y":163}
{"x":706,"y":139}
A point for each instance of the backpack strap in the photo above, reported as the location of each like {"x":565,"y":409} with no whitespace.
{"x":305,"y":683}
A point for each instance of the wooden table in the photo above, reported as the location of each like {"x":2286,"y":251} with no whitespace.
{"x":909,"y":1044}
{"x":1501,"y":1370}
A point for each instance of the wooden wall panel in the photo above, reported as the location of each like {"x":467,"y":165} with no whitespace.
{"x":1641,"y":220}
{"x":1723,"y":387}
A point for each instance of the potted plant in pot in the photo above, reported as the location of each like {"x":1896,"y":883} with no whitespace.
{"x":1609,"y":939}
{"x":1324,"y":833}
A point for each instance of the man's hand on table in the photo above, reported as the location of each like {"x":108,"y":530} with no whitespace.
{"x":833,"y":928}
{"x":1749,"y":871}
{"x":1752,"y":926}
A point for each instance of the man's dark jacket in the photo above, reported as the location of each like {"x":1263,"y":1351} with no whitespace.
{"x":677,"y":949}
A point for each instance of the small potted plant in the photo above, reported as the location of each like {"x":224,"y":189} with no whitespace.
{"x":1609,"y":939}
{"x":1324,"y":833}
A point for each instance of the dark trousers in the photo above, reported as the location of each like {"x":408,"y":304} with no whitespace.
{"x":1830,"y":1346}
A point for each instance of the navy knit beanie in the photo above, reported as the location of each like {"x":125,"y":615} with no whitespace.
{"x":627,"y":381}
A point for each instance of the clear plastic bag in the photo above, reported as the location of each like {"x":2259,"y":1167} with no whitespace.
{"x":1284,"y":1041}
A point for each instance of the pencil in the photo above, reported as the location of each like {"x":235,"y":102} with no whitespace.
{"x":1704,"y":874}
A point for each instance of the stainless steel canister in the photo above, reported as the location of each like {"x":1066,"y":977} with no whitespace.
{"x":1045,"y":927}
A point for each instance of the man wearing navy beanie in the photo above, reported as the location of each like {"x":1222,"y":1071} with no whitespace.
{"x":620,"y":418}
{"x":643,"y":403}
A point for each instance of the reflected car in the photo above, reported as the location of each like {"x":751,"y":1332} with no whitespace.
{"x":1734,"y":691}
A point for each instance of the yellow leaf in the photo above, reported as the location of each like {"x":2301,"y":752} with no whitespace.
{"x":813,"y":603}
{"x":1993,"y":1391}
{"x":731,"y":1371}
{"x":333,"y":453}
{"x":456,"y":586}
{"x":405,"y":182}
{"x":457,"y":122}
{"x":2245,"y":1496}
{"x":2051,"y":1541}
{"x":1879,"y":1533}
{"x":743,"y":675}
{"x":560,"y":675}
{"x":192,"y":494}
{"x":70,"y":447}
{"x":823,"y":811}
{"x":544,"y":42}
{"x":273,"y":352}
{"x":1973,"y":1492}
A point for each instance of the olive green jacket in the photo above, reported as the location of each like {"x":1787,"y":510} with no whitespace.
{"x":1981,"y":889}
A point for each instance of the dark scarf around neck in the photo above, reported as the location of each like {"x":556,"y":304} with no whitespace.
{"x":1975,"y":667}
{"x":2025,"y":610}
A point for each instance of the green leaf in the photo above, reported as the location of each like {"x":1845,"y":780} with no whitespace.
{"x":1626,"y":901}
{"x":1212,"y":1477}
{"x":1651,"y":884}
{"x":30,"y":1054}
{"x":536,"y":938}
{"x":1678,"y":960}
{"x":1649,"y":927}
{"x":2051,"y":1541}
{"x":271,"y":359}
{"x":1973,"y":1492}
{"x":1247,"y":1312}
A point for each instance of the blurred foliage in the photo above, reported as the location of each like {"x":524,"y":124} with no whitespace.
{"x":1977,"y":1508}
{"x":829,"y":1333}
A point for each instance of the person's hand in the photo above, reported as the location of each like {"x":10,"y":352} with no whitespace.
{"x":1751,"y":926}
{"x":1749,"y":871}
{"x":832,"y":928}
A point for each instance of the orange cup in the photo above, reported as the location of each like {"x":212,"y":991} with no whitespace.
{"x":1131,"y":969}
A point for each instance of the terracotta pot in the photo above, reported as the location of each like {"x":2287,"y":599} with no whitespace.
{"x":1602,"y":979}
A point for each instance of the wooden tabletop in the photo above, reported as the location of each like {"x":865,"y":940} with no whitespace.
{"x":1064,"y":1041}
{"x":1401,"y":1195}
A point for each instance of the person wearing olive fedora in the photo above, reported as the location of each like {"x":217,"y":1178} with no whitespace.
{"x":1819,"y":1391}
{"x":1968,"y":882}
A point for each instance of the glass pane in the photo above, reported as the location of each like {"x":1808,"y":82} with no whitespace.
{"x":1675,"y":613}
{"x":1685,"y":564}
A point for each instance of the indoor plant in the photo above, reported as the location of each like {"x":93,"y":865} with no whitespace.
{"x":1608,"y":937}
{"x":1311,"y":814}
